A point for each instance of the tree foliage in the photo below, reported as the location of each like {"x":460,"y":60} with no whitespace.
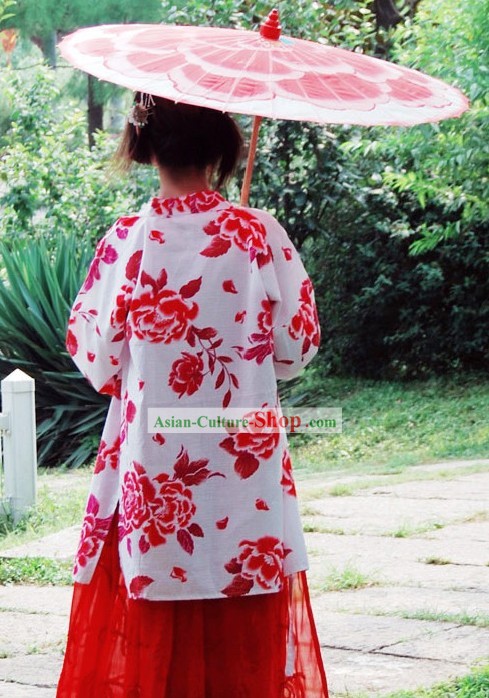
{"x":6,"y":13}
{"x":52,"y":181}
{"x":58,"y":193}
{"x":421,"y":190}
{"x":443,"y":166}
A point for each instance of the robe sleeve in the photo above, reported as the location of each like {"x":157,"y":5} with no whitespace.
{"x":96,"y":335}
{"x":296,"y":331}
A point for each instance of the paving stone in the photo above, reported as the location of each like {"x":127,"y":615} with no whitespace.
{"x":369,"y":633}
{"x":386,"y":514}
{"x":450,"y":643}
{"x":376,"y":675}
{"x":398,"y":599}
{"x":61,"y":545}
{"x":472,"y":487}
{"x":475,"y":531}
{"x":17,"y":690}
{"x":382,"y":550}
{"x":29,"y":632}
{"x":394,"y":560}
{"x":41,"y":670}
{"x":55,"y":600}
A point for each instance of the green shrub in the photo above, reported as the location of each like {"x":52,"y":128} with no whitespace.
{"x":36,"y":293}
{"x":386,"y":313}
{"x":53,"y":183}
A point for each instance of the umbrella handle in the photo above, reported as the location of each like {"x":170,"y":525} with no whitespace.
{"x":245,"y":189}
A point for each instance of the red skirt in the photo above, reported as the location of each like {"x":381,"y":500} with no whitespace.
{"x":261,"y":646}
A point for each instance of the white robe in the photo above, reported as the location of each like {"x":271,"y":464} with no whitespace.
{"x":193,"y":302}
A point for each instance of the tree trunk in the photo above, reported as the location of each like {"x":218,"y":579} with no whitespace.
{"x":95,"y":111}
{"x":47,"y":44}
{"x":386,"y":13}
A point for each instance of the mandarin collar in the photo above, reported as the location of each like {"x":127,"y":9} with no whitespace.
{"x":196,"y":202}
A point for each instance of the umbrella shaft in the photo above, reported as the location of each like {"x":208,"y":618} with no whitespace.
{"x":245,"y":189}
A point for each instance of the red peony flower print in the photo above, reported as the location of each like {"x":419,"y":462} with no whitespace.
{"x":261,"y":442}
{"x":228,"y":286}
{"x":305,"y":323}
{"x":261,"y":342}
{"x":128,"y":414}
{"x":138,"y":585}
{"x":196,"y":202}
{"x":157,"y":236}
{"x":161,"y":314}
{"x":287,"y":480}
{"x":123,"y":225}
{"x":138,"y":494}
{"x":186,"y":374}
{"x":179,"y":573}
{"x":104,"y":253}
{"x":259,"y":562}
{"x":112,"y":386}
{"x":262,"y":561}
{"x":249,"y":444}
{"x":94,"y":532}
{"x":133,"y":266}
{"x":130,"y":411}
{"x":264,"y":319}
{"x":71,"y":343}
{"x":107,"y":455}
{"x":119,"y":313}
{"x":163,"y":506}
{"x":209,"y":341}
{"x":238,"y":227}
{"x":171,"y":510}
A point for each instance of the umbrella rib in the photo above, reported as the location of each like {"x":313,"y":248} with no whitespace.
{"x":252,"y":56}
{"x":227,"y":105}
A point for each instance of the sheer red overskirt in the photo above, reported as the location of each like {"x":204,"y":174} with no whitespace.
{"x":262,"y":646}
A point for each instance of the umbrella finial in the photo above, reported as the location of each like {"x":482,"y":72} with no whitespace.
{"x":270,"y":28}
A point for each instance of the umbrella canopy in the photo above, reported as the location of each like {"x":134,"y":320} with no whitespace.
{"x":261,"y":73}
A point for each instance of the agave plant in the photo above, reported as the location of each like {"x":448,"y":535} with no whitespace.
{"x":38,"y":284}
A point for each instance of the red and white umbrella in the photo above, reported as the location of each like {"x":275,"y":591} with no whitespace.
{"x":261,"y":73}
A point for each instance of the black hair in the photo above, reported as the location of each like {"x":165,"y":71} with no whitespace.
{"x":180,"y":136}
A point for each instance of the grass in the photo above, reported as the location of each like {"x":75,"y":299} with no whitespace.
{"x":436,"y":561}
{"x":474,"y":685}
{"x":61,"y":502}
{"x":35,"y":570}
{"x":406,"y":530}
{"x":312,"y":527}
{"x":389,"y":426}
{"x":480,"y":620}
{"x":340,"y":490}
{"x":477,"y":517}
{"x":347,"y":578}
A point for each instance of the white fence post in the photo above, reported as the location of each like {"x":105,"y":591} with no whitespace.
{"x":18,"y":422}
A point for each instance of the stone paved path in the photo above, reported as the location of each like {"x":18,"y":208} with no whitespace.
{"x":419,"y":549}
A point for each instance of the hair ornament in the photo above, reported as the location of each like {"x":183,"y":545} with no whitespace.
{"x":141,"y":111}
